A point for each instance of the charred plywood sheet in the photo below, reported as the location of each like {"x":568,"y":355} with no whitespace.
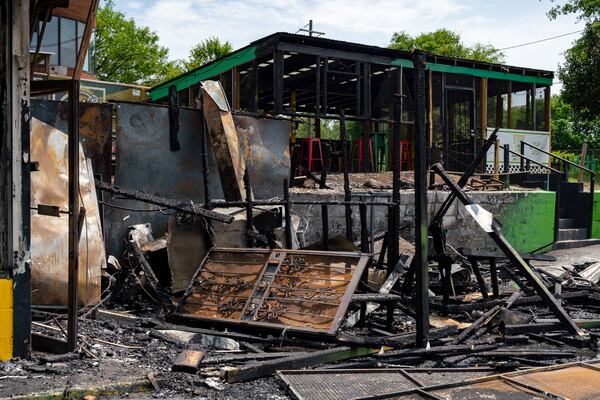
{"x":295,"y":290}
{"x":144,"y":162}
{"x":49,"y":234}
{"x":95,"y":129}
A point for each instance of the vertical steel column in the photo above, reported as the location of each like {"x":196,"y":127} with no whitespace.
{"x":278,"y":82}
{"x":506,"y":166}
{"x":364,"y":232}
{"x":421,"y":226}
{"x":367,"y":146}
{"x":347,"y":193}
{"x":288,"y":216}
{"x":204,"y":154}
{"x":325,"y":226}
{"x":249,"y":218}
{"x":394,"y":218}
{"x":254,"y":86}
{"x":325,"y":161}
{"x":73,"y":155}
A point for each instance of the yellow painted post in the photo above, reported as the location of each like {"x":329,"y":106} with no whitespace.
{"x":6,"y":319}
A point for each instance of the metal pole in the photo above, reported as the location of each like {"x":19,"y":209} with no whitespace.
{"x":364,"y":232}
{"x":325,"y":221}
{"x":288,"y":216}
{"x":204,"y":155}
{"x":249,"y":217}
{"x":421,"y":225}
{"x":347,"y":193}
{"x":394,"y":218}
{"x":324,"y":167}
{"x":506,"y":166}
{"x":73,"y":166}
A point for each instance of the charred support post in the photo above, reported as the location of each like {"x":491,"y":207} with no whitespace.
{"x":326,"y":153}
{"x":294,"y":162}
{"x":73,"y":156}
{"x":364,"y":232}
{"x":394,"y":210}
{"x":515,"y":258}
{"x":368,"y":163}
{"x":347,"y":193}
{"x":506,"y":166}
{"x":325,"y":220}
{"x":421,"y":240}
{"x":249,"y":221}
{"x":288,"y":216}
{"x":204,"y":155}
{"x":278,"y":81}
{"x":173,"y":119}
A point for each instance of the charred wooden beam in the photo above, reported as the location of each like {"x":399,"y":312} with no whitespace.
{"x":161,"y":201}
{"x":514,"y":257}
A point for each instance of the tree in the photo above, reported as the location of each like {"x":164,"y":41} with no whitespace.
{"x":580,"y":73}
{"x":129,"y":53}
{"x":588,"y":10}
{"x":206,"y":51}
{"x":447,"y":43}
{"x":569,"y":131}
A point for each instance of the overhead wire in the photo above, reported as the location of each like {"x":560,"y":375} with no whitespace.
{"x":541,"y":40}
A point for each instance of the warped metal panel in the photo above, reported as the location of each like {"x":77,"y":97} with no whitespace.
{"x":331,"y":384}
{"x":49,"y":234}
{"x":145,"y":162}
{"x":304,"y":291}
{"x":345,"y":384}
{"x":576,"y":382}
{"x":495,"y":389}
{"x":95,"y":129}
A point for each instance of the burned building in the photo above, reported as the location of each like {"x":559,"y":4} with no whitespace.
{"x":194,"y":244}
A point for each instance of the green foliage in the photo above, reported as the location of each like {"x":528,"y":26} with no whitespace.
{"x":580,"y":74}
{"x":588,"y":10}
{"x":126,"y":52}
{"x":206,"y":51}
{"x":447,"y":43}
{"x":569,"y":131}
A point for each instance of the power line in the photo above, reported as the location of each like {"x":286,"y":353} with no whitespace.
{"x":542,"y":40}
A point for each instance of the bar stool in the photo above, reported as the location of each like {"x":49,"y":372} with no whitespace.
{"x":308,"y":152}
{"x":405,"y":156}
{"x":358,"y":144}
{"x":381,"y":150}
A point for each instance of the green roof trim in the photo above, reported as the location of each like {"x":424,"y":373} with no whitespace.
{"x":221,"y":65}
{"x":481,"y":73}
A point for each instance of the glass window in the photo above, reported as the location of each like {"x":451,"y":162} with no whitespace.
{"x":497,"y":103}
{"x":540,"y":109}
{"x":68,"y":42}
{"x":521,"y":106}
{"x":50,"y":40}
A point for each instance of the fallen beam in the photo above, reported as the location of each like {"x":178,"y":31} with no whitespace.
{"x":259,"y":370}
{"x":490,"y":225}
{"x":173,"y":204}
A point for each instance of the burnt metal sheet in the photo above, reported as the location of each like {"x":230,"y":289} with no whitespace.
{"x":338,"y":384}
{"x":295,"y":290}
{"x":577,"y":382}
{"x":95,"y":129}
{"x":144,"y":162}
{"x":49,"y":234}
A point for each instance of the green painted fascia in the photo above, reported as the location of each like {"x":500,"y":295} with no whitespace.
{"x":217,"y":67}
{"x":481,"y":73}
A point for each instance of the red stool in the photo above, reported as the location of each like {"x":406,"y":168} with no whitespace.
{"x":405,"y":156}
{"x":308,"y":149}
{"x":358,"y":144}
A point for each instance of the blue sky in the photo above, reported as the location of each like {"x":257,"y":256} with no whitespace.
{"x":182,"y":23}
